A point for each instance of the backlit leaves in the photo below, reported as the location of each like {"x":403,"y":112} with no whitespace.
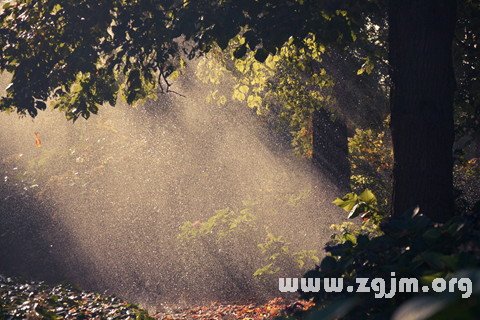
{"x":287,"y":86}
{"x":46,"y":44}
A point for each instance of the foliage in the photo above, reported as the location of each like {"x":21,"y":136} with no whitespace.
{"x":410,"y":245}
{"x":87,"y":52}
{"x":467,"y":98}
{"x":279,"y":258}
{"x":80,"y":55}
{"x":467,"y":182}
{"x":223,"y":223}
{"x":33,"y":300}
{"x":230,"y":229}
{"x":285,"y":89}
{"x":364,"y":205}
{"x":371,"y":162}
{"x":349,"y":231}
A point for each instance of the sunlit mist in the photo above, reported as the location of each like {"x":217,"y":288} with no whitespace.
{"x":99,"y":203}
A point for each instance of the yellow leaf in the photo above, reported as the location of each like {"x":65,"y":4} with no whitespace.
{"x":243,"y":89}
{"x":254,"y":101}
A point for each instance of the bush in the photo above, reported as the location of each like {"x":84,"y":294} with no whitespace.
{"x":412,"y":246}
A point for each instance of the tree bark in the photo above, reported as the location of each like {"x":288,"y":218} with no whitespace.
{"x":330,"y":148}
{"x":421,"y":101}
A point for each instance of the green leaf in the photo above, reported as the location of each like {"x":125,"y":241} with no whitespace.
{"x":440,"y":261}
{"x":428,"y":279}
{"x":347,"y":202}
{"x":350,"y":237}
{"x":368,"y":197}
{"x":432,"y":235}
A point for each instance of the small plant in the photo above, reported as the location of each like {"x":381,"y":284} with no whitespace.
{"x":364,"y":206}
{"x":223,"y":223}
{"x":279,"y":257}
{"x":230,"y":229}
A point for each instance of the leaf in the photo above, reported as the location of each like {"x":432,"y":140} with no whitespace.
{"x":240,"y":92}
{"x":56,"y":9}
{"x":328,"y":264}
{"x":368,"y":197}
{"x":254,"y":101}
{"x":432,"y":235}
{"x":367,"y":67}
{"x":428,"y":279}
{"x":351,"y":238}
{"x":38,"y":141}
{"x":440,"y":261}
{"x":243,"y":89}
{"x":347,"y":202}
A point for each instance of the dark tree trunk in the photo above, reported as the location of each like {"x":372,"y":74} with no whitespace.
{"x":420,"y":39}
{"x":330,"y":148}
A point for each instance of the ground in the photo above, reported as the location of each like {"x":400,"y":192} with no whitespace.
{"x":37,"y":300}
{"x":217,"y":311}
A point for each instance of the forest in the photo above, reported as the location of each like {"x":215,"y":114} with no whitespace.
{"x":240,"y":159}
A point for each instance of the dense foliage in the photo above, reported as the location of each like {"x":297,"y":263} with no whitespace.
{"x":286,"y":89}
{"x":411,"y":246}
{"x":81,"y":54}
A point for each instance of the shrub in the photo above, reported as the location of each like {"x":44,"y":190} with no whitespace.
{"x":410,"y":245}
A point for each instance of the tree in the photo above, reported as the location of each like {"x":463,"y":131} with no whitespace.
{"x":80,"y":54}
{"x":422,"y":92}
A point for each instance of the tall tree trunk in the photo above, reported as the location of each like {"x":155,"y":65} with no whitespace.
{"x":330,"y":148}
{"x":423,"y":84}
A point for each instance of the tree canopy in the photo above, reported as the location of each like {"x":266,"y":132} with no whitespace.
{"x":80,"y":54}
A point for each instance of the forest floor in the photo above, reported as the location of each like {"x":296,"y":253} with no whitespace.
{"x":36,"y":300}
{"x":217,"y":311}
